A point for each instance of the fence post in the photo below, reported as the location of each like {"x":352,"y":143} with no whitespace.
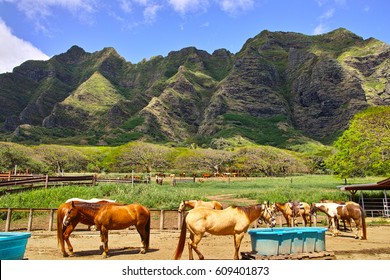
{"x":51,"y":219}
{"x":94,"y":179}
{"x":162,"y":217}
{"x":46,"y":181}
{"x":30,"y":218}
{"x":9,"y":218}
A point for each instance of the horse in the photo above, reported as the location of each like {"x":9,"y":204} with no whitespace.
{"x":302,"y":209}
{"x":63,"y":232}
{"x":234,"y":220}
{"x":199,"y":203}
{"x":347,"y":211}
{"x":114,"y":216}
{"x":289,"y":211}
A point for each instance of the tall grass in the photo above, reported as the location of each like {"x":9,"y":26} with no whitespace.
{"x":309,"y":188}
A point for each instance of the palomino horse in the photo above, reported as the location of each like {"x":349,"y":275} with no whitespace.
{"x":114,"y":216}
{"x":63,"y":232}
{"x":199,"y":203}
{"x":289,"y":211}
{"x":234,"y":220}
{"x":347,"y":211}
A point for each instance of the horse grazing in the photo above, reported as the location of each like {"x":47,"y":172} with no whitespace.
{"x":114,"y":216}
{"x":199,"y":203}
{"x":63,"y":232}
{"x":347,"y":211}
{"x":234,"y":220}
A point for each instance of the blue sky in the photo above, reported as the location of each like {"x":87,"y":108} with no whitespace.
{"x":138,"y":29}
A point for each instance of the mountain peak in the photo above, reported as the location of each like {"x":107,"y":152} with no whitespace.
{"x":73,"y":56}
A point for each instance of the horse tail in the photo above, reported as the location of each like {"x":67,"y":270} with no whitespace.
{"x":364,"y":227}
{"x":60,"y":229}
{"x":147,"y":233}
{"x":182,"y":239}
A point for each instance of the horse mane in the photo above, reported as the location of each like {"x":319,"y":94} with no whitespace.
{"x":92,"y":200}
{"x":247,"y":210}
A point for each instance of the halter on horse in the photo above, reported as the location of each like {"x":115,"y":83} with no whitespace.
{"x":199,"y":203}
{"x":234,"y":220}
{"x":114,"y":216}
{"x":63,"y":232}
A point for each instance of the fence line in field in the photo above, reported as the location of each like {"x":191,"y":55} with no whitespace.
{"x":159,"y":218}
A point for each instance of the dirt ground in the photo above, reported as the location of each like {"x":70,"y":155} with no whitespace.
{"x":124,"y":245}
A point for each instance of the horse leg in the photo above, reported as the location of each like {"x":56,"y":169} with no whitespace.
{"x":357,"y":229}
{"x":237,"y":244}
{"x":142,"y":232}
{"x":104,"y":240}
{"x":66,"y":235}
{"x":193,"y":244}
{"x":335,"y":226}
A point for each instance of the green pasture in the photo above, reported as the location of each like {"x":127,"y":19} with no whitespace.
{"x":308,"y":188}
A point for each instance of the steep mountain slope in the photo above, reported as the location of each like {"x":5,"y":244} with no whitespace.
{"x":280,"y":88}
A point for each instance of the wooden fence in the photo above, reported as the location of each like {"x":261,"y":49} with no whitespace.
{"x":18,"y":183}
{"x":160,"y":219}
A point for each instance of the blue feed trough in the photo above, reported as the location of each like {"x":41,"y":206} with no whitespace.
{"x":13,"y":245}
{"x":290,"y":240}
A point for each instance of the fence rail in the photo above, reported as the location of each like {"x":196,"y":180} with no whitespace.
{"x":21,"y":183}
{"x":160,"y":219}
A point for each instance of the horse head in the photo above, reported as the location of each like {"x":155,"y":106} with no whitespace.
{"x":71,"y":214}
{"x":182,"y":206}
{"x":313,"y":209}
{"x":267,"y":215}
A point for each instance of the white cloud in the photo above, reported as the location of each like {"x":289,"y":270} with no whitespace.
{"x":14,"y":51}
{"x":320,"y":29}
{"x":150,"y":12}
{"x":328,"y":14}
{"x":185,"y":6}
{"x":235,"y":6}
{"x":39,"y":10}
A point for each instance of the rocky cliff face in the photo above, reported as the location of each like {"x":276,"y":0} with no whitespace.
{"x":303,"y":85}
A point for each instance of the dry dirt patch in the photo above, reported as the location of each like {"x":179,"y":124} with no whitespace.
{"x":124,"y":245}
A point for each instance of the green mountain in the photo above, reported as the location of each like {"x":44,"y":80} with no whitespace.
{"x":280,"y":89}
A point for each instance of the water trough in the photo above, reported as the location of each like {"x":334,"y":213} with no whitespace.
{"x":13,"y":245}
{"x":287,"y":240}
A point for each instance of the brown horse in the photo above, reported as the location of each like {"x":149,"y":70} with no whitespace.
{"x":302,"y":209}
{"x":234,"y":220}
{"x":114,"y":216}
{"x":288,"y":210}
{"x":63,"y":232}
{"x":347,"y":211}
{"x":199,"y":203}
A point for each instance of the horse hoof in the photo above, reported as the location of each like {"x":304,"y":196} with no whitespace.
{"x":143,"y":251}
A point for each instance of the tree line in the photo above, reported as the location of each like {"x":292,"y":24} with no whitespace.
{"x":362,"y":150}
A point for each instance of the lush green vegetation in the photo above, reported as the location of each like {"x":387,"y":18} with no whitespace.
{"x":310,"y":188}
{"x":364,"y":149}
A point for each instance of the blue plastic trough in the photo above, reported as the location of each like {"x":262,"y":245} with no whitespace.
{"x":13,"y":245}
{"x":289,"y":240}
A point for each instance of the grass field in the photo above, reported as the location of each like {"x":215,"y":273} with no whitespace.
{"x":308,"y":188}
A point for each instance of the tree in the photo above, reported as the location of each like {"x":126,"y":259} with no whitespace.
{"x":205,"y":159}
{"x":143,"y":157}
{"x":364,"y":148}
{"x":12,"y":155}
{"x":62,"y":158}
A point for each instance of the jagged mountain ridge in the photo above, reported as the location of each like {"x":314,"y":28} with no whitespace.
{"x":286,"y":84}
